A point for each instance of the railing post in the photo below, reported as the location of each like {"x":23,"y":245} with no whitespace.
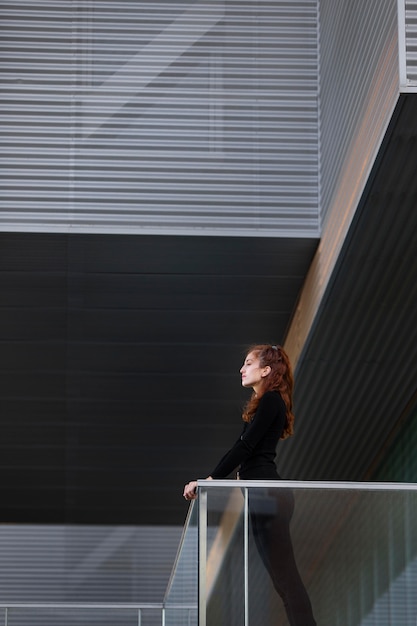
{"x":6,"y":616}
{"x":202,"y":556}
{"x":246,"y":556}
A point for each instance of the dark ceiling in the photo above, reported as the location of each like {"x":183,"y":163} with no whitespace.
{"x":357,"y":380}
{"x":119,"y":362}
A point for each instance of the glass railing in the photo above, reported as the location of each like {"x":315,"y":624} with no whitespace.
{"x":258,"y":553}
{"x":298,"y":554}
{"x":181,"y":597}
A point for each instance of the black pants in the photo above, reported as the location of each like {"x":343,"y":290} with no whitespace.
{"x":270,"y":513}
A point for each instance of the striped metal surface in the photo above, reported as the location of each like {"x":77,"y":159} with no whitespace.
{"x":50,"y":563}
{"x":160,"y":117}
{"x":359,"y":87}
{"x":356,"y":384}
{"x":411,"y":41}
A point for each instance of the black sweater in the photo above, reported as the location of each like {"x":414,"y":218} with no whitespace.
{"x":255,"y":450}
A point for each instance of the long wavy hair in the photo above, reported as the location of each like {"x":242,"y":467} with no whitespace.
{"x":280,"y":379}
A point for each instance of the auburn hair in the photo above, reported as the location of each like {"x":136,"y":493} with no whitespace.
{"x":280,"y":379}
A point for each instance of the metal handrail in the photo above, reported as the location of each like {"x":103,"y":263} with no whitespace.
{"x":311,"y":484}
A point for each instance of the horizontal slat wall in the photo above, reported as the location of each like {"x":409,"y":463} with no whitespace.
{"x":359,"y":90}
{"x":411,"y":40}
{"x":356,"y":384}
{"x":359,"y":86}
{"x":115,"y":564}
{"x":160,"y":117}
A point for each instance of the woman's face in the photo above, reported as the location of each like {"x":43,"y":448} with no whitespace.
{"x":252,"y":372}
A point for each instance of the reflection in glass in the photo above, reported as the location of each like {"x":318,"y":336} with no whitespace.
{"x":270,"y":513}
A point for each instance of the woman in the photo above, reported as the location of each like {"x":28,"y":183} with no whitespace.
{"x":267,"y":418}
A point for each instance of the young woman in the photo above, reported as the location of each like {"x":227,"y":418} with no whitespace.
{"x":267,"y":418}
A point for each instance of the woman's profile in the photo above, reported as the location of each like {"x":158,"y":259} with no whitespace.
{"x":267,"y":418}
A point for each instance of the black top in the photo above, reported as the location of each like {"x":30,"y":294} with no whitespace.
{"x":255,"y":450}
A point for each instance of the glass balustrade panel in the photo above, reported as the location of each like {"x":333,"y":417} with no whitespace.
{"x":330,"y":553}
{"x":181,"y":599}
{"x":224,"y":603}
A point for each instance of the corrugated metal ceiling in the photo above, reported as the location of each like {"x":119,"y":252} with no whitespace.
{"x":358,"y":374}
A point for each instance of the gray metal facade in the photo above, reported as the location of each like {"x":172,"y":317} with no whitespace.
{"x":160,"y":117}
{"x":408,"y":22}
{"x":93,"y":564}
{"x":99,"y":331}
{"x":359,"y":87}
{"x":350,"y":403}
{"x":356,"y":384}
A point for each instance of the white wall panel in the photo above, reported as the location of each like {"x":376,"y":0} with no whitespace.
{"x":160,"y":117}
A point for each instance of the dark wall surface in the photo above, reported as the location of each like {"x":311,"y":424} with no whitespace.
{"x":120,"y":360}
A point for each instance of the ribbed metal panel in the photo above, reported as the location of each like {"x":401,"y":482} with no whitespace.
{"x":359,"y":89}
{"x":86,"y":563}
{"x":356,"y":384}
{"x":411,"y":40}
{"x":160,"y":117}
{"x":359,"y":85}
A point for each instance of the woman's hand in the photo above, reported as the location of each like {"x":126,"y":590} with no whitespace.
{"x":190,"y":490}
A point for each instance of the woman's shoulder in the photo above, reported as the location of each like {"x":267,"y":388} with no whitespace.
{"x":272,"y":393}
{"x":272,"y":398}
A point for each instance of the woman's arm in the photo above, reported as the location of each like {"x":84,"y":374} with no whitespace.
{"x":271,"y":407}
